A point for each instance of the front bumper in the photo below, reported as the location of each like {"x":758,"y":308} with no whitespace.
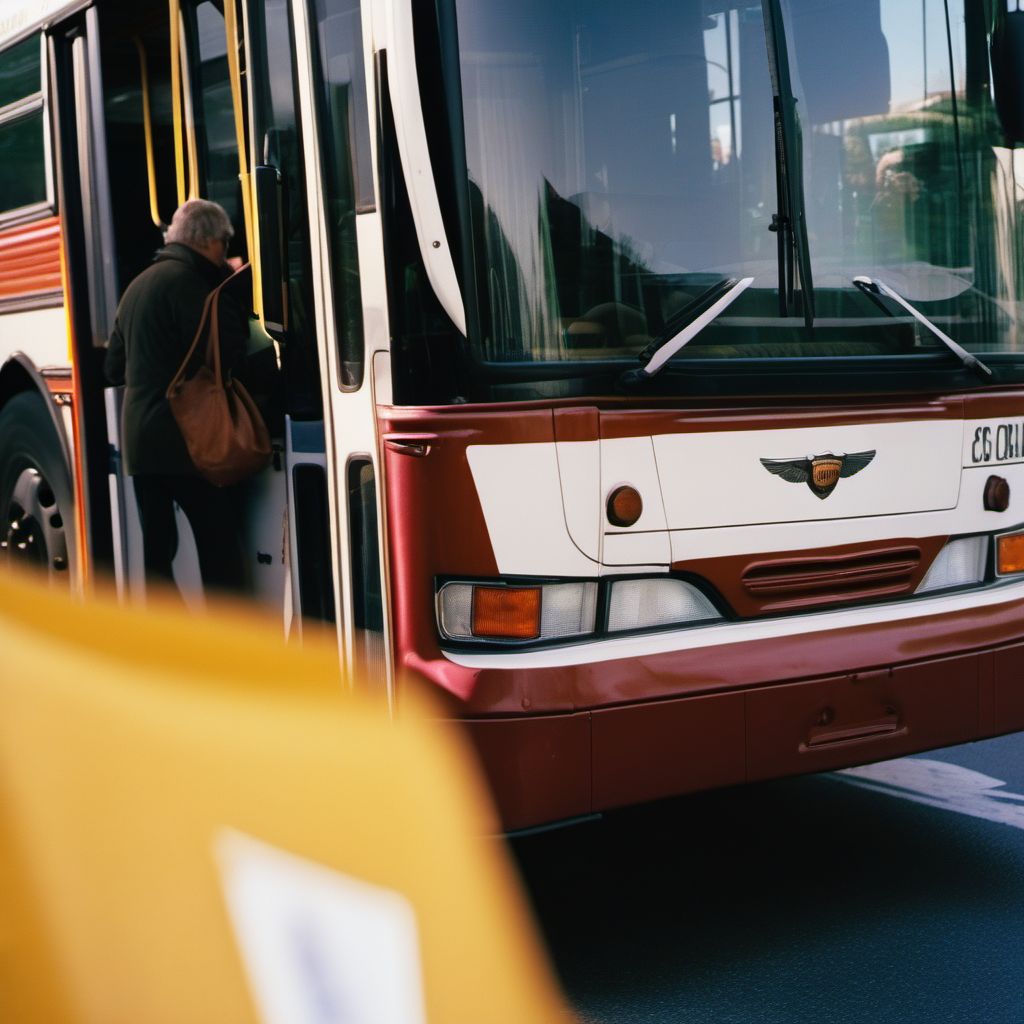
{"x":675,"y":722}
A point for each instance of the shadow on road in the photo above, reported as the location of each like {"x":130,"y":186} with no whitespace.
{"x":802,"y":899}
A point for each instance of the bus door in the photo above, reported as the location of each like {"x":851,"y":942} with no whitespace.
{"x":344,"y":310}
{"x":131,"y":51}
{"x":175,"y":113}
{"x":284,"y":279}
{"x":80,"y":154}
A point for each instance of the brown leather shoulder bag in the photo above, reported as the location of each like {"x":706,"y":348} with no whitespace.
{"x":223,"y":430}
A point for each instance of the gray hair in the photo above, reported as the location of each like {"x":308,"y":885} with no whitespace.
{"x":198,"y":222}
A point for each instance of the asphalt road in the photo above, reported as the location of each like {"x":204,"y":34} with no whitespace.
{"x":892,"y":893}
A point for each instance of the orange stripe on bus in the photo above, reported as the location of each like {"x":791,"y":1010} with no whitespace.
{"x":28,"y":249}
{"x":27,"y":275}
{"x":30,"y":259}
{"x":39,"y":262}
{"x":30,"y":280}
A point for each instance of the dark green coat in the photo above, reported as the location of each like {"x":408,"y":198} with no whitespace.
{"x":156,"y":322}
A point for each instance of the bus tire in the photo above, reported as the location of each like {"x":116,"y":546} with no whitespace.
{"x":36,"y":494}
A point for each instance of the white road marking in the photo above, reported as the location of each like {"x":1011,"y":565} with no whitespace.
{"x":943,"y":785}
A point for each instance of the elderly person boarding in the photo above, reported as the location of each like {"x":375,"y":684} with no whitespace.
{"x":156,"y":321}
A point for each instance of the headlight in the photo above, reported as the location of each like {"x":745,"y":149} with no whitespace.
{"x":477,"y":611}
{"x":960,"y":563}
{"x":644,"y":604}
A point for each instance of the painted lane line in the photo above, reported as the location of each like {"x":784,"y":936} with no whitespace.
{"x":940,"y":784}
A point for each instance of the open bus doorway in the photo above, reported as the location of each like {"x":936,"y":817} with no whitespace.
{"x":159,"y":153}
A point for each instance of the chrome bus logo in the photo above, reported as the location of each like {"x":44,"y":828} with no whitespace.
{"x":821,"y":473}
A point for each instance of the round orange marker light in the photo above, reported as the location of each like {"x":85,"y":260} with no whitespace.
{"x":625,"y":506}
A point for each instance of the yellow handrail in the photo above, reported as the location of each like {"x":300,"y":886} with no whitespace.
{"x":235,"y":76}
{"x":190,"y":126}
{"x":179,"y":154}
{"x":147,"y":125}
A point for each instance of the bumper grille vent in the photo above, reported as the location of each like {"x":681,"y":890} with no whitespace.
{"x":791,"y":583}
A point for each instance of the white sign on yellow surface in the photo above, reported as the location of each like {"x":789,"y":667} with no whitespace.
{"x":320,"y":947}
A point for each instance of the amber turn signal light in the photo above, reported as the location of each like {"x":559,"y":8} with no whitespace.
{"x":1010,"y":553}
{"x":506,"y":613}
{"x":625,"y":506}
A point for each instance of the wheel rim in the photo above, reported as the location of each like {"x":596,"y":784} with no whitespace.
{"x":33,"y":528}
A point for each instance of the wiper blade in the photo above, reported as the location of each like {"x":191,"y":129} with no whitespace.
{"x":874,"y":289}
{"x":659,"y":352}
{"x":790,"y":222}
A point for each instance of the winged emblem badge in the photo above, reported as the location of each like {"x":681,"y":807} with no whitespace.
{"x":821,"y":473}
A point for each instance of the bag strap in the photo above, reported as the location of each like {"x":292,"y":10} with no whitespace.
{"x":213,"y":337}
{"x":212,"y":303}
{"x":176,"y":379}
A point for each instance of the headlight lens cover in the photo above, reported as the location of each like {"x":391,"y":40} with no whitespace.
{"x":648,"y":603}
{"x":518,"y":612}
{"x":960,"y":563}
{"x":486,"y":611}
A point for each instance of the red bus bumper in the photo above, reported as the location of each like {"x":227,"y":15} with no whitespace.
{"x":683,"y":721}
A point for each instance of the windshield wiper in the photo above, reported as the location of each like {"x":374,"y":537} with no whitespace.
{"x":709,"y":306}
{"x":875,"y":289}
{"x":790,"y":222}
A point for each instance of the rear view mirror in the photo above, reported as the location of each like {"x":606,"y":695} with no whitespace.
{"x":270,"y":223}
{"x":1008,"y":74}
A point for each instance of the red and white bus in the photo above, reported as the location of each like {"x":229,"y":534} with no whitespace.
{"x":647,"y":377}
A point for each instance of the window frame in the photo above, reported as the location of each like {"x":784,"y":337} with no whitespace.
{"x":34,"y":103}
{"x":328,"y":142}
{"x":303,"y":389}
{"x":195,"y":102}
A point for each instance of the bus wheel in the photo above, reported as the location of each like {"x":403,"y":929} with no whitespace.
{"x":36,"y":507}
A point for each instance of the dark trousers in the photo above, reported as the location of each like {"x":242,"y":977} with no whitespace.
{"x":214,"y":521}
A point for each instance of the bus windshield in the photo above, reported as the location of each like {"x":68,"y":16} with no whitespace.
{"x":623,"y":158}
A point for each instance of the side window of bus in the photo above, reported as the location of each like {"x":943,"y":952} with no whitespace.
{"x":136,"y":91}
{"x":279,"y":144}
{"x":23,"y":171}
{"x":215,"y":117}
{"x":344,"y":120}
